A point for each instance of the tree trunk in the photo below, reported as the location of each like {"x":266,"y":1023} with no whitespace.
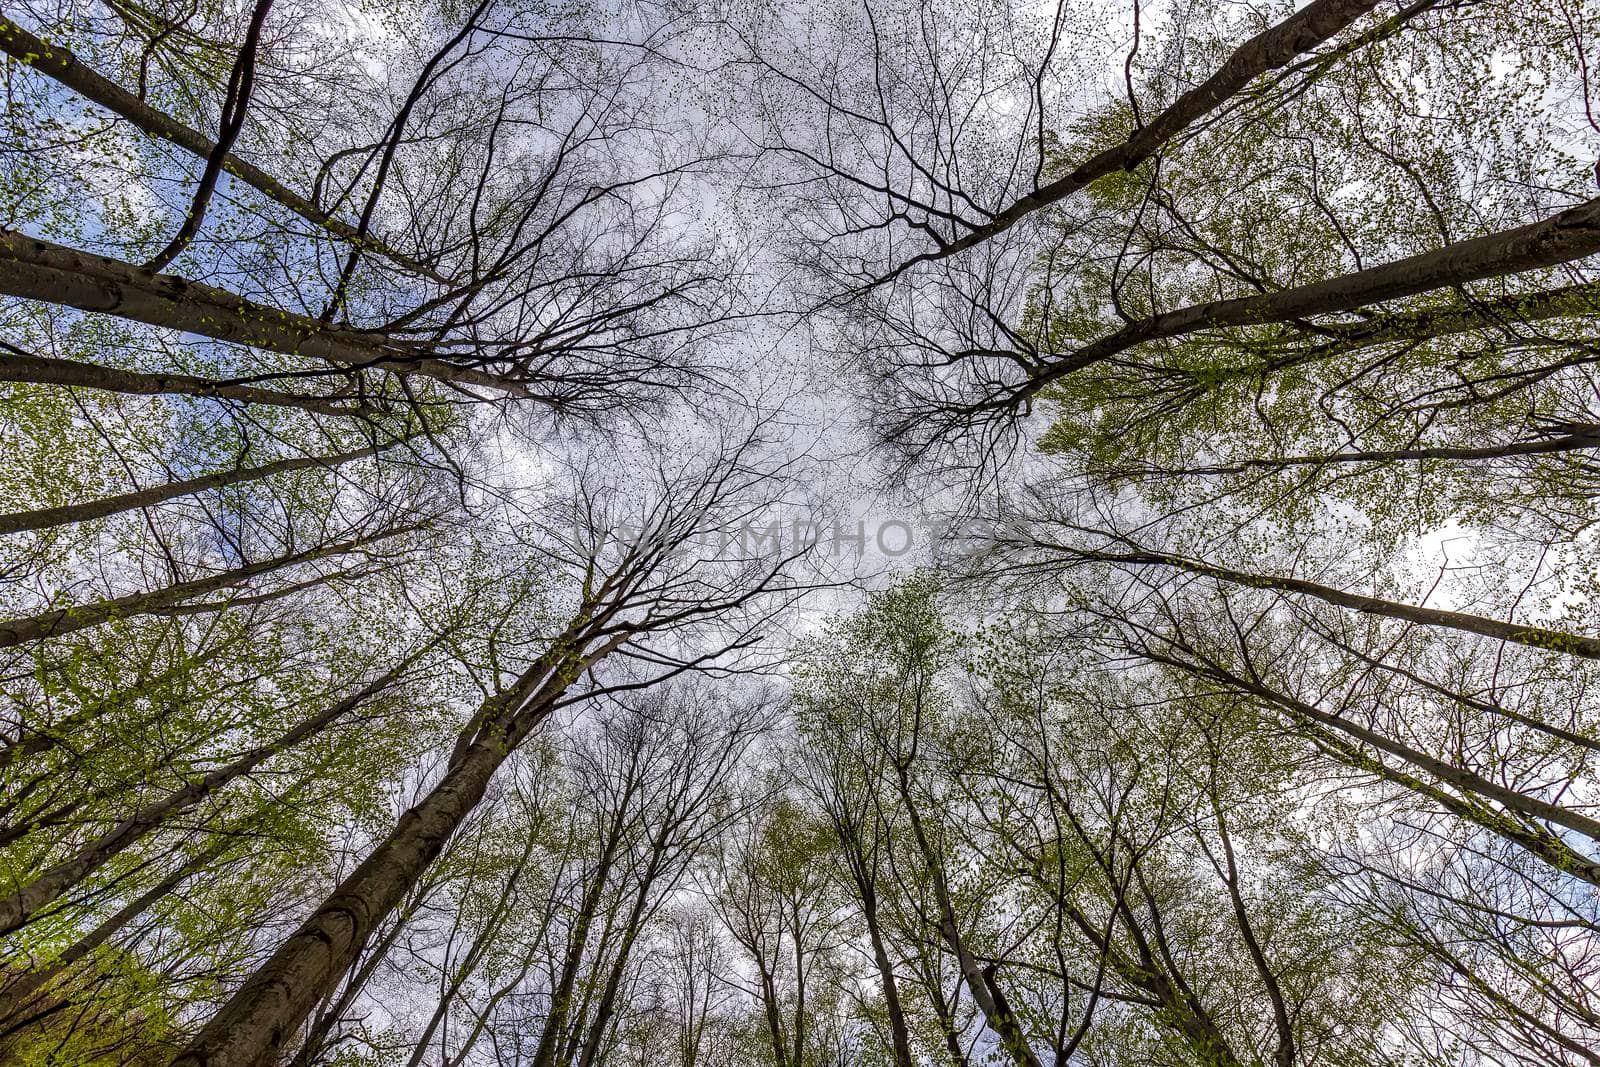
{"x":1569,"y":235}
{"x":316,"y":1039}
{"x":47,"y":370}
{"x":1532,"y":636}
{"x":40,"y":270}
{"x":110,"y":505}
{"x":17,"y":997}
{"x":85,"y":616}
{"x":1537,"y":842}
{"x":769,"y":1003}
{"x":900,"y":1038}
{"x":255,"y":1025}
{"x":1456,"y":777}
{"x":631,"y":929}
{"x":260,"y":1019}
{"x":1566,"y":439}
{"x":1004,"y":1024}
{"x":555,"y":1023}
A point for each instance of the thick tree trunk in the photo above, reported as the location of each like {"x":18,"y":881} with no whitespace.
{"x":262,"y":1017}
{"x":64,"y":67}
{"x":1571,"y":234}
{"x":321,"y":1030}
{"x":259,"y":1021}
{"x":42,"y":518}
{"x":84,"y":616}
{"x":1581,"y":300}
{"x":40,"y":270}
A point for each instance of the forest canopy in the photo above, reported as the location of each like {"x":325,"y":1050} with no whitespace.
{"x":819,"y":533}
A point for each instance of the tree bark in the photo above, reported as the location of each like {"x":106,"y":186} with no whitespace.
{"x":633,"y":925}
{"x":259,"y":1021}
{"x":769,"y":1003}
{"x":235,"y":103}
{"x":1569,"y":235}
{"x":41,"y":270}
{"x":256,"y":1024}
{"x":1581,"y":300}
{"x":316,"y":1039}
{"x":847,"y":826}
{"x":899,"y":1035}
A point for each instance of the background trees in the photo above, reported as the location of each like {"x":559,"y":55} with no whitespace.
{"x":389,"y":393}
